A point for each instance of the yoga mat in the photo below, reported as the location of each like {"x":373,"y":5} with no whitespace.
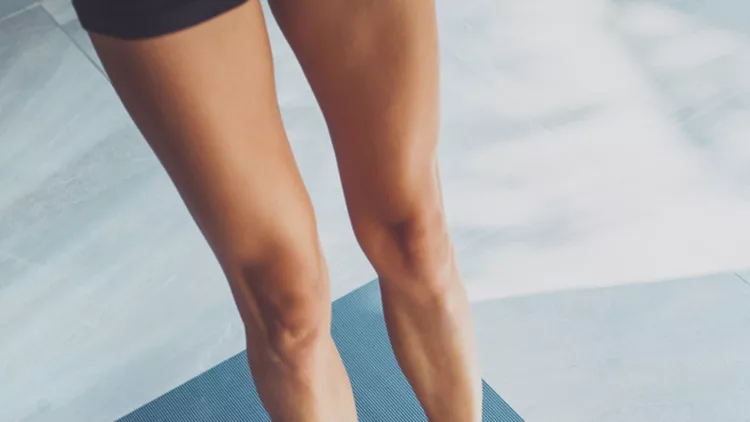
{"x":226,"y":393}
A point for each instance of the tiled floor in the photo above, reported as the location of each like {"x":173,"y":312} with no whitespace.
{"x":11,"y":7}
{"x":585,"y":143}
{"x":675,"y":351}
{"x":64,"y":15}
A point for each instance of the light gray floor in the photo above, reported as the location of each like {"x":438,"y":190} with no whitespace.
{"x":676,"y":351}
{"x":585,"y":143}
{"x":11,"y":7}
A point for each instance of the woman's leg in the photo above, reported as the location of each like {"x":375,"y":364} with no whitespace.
{"x":373,"y":66}
{"x":204,"y":98}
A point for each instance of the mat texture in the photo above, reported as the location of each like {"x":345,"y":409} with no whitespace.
{"x":226,"y":393}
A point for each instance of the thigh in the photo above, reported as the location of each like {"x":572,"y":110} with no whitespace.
{"x":373,"y":66}
{"x":204,"y":99}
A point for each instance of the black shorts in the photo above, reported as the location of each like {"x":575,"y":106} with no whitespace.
{"x":134,"y":19}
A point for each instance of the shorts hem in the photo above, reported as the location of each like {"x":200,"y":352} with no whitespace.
{"x":125,"y":20}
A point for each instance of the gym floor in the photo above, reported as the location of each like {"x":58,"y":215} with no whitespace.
{"x":596,"y":165}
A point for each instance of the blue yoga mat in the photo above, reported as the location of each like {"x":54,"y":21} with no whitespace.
{"x":226,"y":393}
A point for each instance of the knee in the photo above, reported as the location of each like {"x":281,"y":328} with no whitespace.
{"x":287,"y":308}
{"x":416,"y":248}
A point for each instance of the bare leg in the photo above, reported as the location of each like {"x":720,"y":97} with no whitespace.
{"x":373,"y":66}
{"x":204,"y":98}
